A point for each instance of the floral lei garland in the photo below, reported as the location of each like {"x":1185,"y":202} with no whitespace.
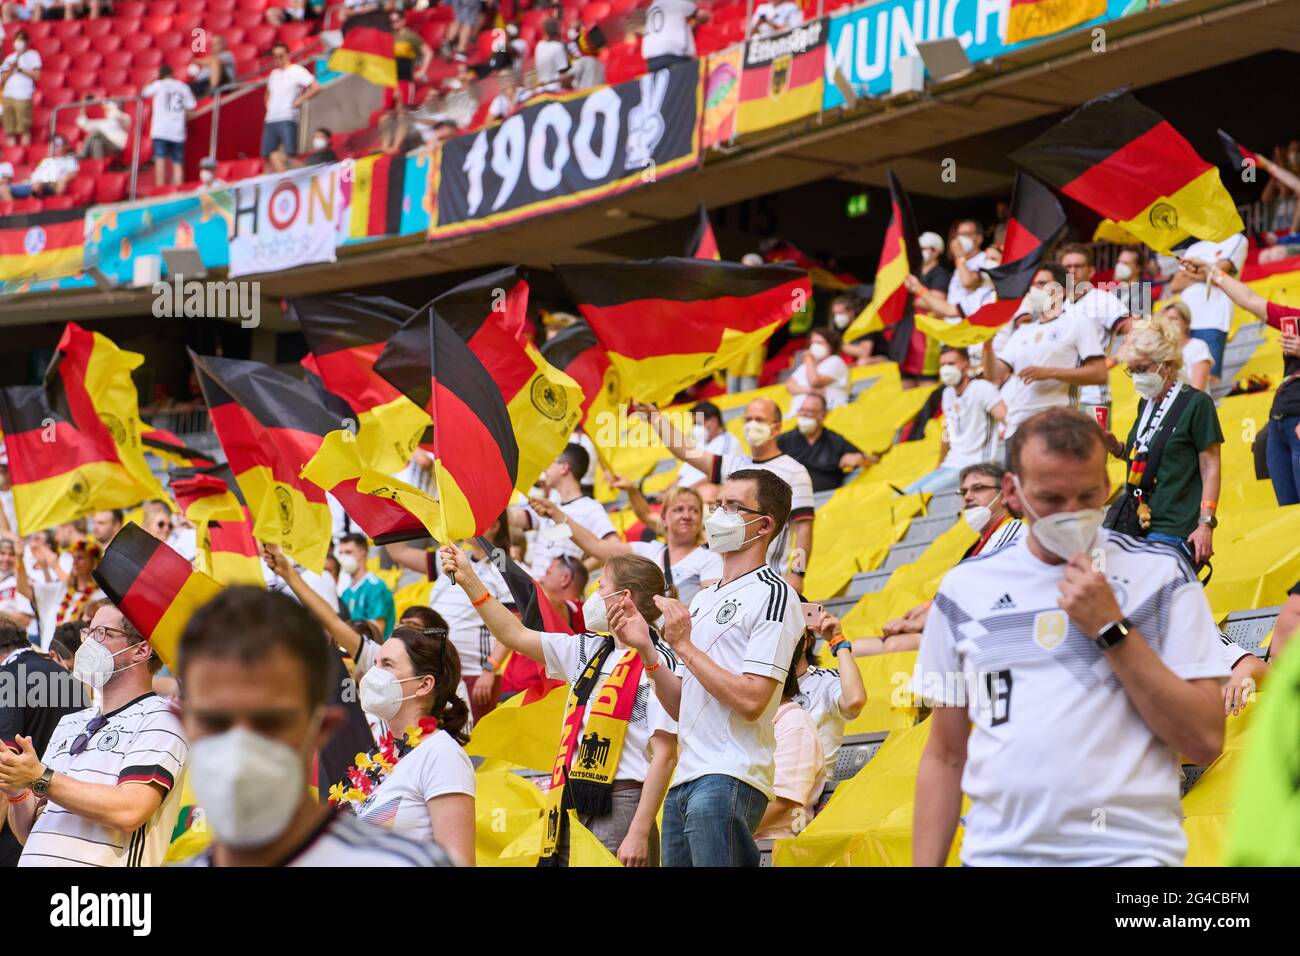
{"x":371,"y":769}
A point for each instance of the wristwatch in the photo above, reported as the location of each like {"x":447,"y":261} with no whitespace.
{"x":1210,"y":520}
{"x":1113,"y":634}
{"x":41,"y":785}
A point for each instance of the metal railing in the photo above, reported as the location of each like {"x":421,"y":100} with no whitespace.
{"x":257,"y":80}
{"x":135,"y":125}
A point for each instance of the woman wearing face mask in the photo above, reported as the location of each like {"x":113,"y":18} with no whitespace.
{"x":1197,"y":360}
{"x":687,"y":565}
{"x":1172,"y":450}
{"x":612,"y":767}
{"x":418,"y":781}
{"x":821,"y":369}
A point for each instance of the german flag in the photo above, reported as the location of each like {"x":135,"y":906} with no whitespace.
{"x":899,"y":256}
{"x":544,"y":404}
{"x":1037,"y":220}
{"x":59,"y":471}
{"x":227,"y":549}
{"x":1124,"y":161}
{"x":782,"y":77}
{"x":703,"y":244}
{"x":102,"y":396}
{"x":154,"y":587}
{"x":1039,"y":18}
{"x":271,"y":426}
{"x":1239,"y":157}
{"x":576,"y":352}
{"x":667,"y":323}
{"x":42,"y":245}
{"x":170,"y":448}
{"x":819,"y":273}
{"x":476,"y":457}
{"x":377,"y":184}
{"x":367,"y":49}
{"x":208,"y":494}
{"x":346,"y":333}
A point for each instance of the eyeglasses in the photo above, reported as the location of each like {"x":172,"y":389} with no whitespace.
{"x":83,"y":739}
{"x":731,"y":508}
{"x":1131,"y":370}
{"x":975,"y":489}
{"x":97,"y":634}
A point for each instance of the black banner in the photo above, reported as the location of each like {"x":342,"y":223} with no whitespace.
{"x":567,"y":150}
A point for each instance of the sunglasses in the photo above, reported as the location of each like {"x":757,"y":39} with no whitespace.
{"x":83,"y":739}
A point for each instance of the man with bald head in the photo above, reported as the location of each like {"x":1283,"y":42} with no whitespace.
{"x":789,"y":552}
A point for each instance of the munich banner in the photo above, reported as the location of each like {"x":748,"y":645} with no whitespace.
{"x":722,"y":94}
{"x":782,"y":77}
{"x":287,"y":219}
{"x":569,"y":150}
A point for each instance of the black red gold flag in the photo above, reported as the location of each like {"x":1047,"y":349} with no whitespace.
{"x":367,"y":49}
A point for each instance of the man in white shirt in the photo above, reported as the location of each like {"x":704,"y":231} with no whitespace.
{"x":19,"y":74}
{"x":972,"y":409}
{"x":773,"y":17}
{"x":107,"y":790}
{"x":1210,"y":306}
{"x":244,"y":655}
{"x":966,"y":289}
{"x":709,"y":434}
{"x":1086,"y":302}
{"x":288,"y":86}
{"x":172,"y":101}
{"x":13,"y":606}
{"x":561,"y":483}
{"x":668,"y":38}
{"x":1087,"y":660}
{"x":551,"y":57}
{"x":53,"y":173}
{"x":791,"y":547}
{"x":1044,"y":362}
{"x":733,"y":651}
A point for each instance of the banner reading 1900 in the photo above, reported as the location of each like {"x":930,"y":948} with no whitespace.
{"x":569,"y":150}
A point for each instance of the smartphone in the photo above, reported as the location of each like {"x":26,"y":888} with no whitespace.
{"x":812,"y":615}
{"x":1290,"y":325}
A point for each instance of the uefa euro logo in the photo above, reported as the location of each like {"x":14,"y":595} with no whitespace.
{"x":34,"y":241}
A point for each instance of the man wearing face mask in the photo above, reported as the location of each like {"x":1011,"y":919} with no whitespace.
{"x":360,"y":590}
{"x":256,"y":673}
{"x":1084,"y":302}
{"x":710,"y":434}
{"x":827,"y":455}
{"x":562,"y":481}
{"x":971,"y":410}
{"x":1088,"y":661}
{"x":791,"y":546}
{"x":106,"y":791}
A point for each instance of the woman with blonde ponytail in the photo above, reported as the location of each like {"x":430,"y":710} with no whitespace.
{"x":1197,"y":360}
{"x":1173,"y":448}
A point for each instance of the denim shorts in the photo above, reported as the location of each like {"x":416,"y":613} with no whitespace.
{"x":282,"y":134}
{"x":165,"y":149}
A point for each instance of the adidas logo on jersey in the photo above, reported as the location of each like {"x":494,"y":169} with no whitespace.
{"x":1003,"y":603}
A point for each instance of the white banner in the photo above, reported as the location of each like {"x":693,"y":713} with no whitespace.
{"x":287,"y":219}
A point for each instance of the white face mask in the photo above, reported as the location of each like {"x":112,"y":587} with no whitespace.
{"x":205,"y":175}
{"x":841,"y":320}
{"x":248,"y":785}
{"x":726,"y":531}
{"x":819,"y":350}
{"x":806,"y":425}
{"x":756,"y":433}
{"x":1065,"y":533}
{"x":1036,"y":299}
{"x":1148,"y":384}
{"x":950,"y":375}
{"x":381,"y":693}
{"x":348,"y":563}
{"x":320,"y":142}
{"x":595,"y":612}
{"x":20,"y":45}
{"x":966,"y":244}
{"x":977,"y":517}
{"x":1123,"y":271}
{"x":699,"y":436}
{"x":93,"y":663}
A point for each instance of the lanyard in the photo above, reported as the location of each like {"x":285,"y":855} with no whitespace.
{"x":1146,"y":432}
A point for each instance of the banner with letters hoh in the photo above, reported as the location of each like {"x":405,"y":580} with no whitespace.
{"x":288,"y":219}
{"x":568,"y":150}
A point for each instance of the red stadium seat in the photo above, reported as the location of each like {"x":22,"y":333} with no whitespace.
{"x":129,"y":10}
{"x":150,"y":58}
{"x":625,"y":62}
{"x":67,"y":28}
{"x":53,"y":79}
{"x":219,"y":21}
{"x":179,"y":61}
{"x":163,"y":8}
{"x":256,"y":5}
{"x":38,"y":29}
{"x":96,"y":29}
{"x":248,"y":20}
{"x":77,"y":46}
{"x":433,"y":33}
{"x":14,"y":155}
{"x":534,"y":18}
{"x":708,"y":38}
{"x":261,"y":36}
{"x":90,"y":61}
{"x":294,"y":35}
{"x":46,"y":47}
{"x":111,"y":187}
{"x":57,"y":97}
{"x":172,"y":41}
{"x":154,"y":24}
{"x":92,"y":168}
{"x":233,"y":36}
{"x":64,"y":201}
{"x":108,"y":43}
{"x":82,"y":188}
{"x":23,"y":206}
{"x":245,"y":168}
{"x":115,"y":68}
{"x":595,"y":12}
{"x":6,"y":208}
{"x":136,"y":41}
{"x":142,"y":76}
{"x":57,"y":61}
{"x":244,"y":53}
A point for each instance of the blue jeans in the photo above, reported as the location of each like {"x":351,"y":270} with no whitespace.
{"x":710,"y":821}
{"x":1284,"y":459}
{"x":166,"y":149}
{"x":1174,"y":540}
{"x":936,"y":482}
{"x":282,"y":133}
{"x":1216,"y":340}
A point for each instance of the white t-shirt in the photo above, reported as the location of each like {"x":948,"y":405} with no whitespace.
{"x":550,"y":59}
{"x":667,"y":30}
{"x":801,"y":498}
{"x":11,"y":602}
{"x":700,"y":566}
{"x":284,"y":86}
{"x":781,"y":15}
{"x":968,"y":423}
{"x":800,"y":767}
{"x":47,"y":596}
{"x":969,"y":300}
{"x":1103,"y":309}
{"x":53,"y":168}
{"x":820,"y":694}
{"x":20,"y":86}
{"x":1210,"y":306}
{"x":468,"y":632}
{"x":567,"y":655}
{"x":1061,"y":343}
{"x":435,"y":768}
{"x":142,"y":743}
{"x":1056,"y":740}
{"x":834,"y":368}
{"x":748,"y":626}
{"x":583,"y":510}
{"x":171,"y":98}
{"x":723,"y":443}
{"x":1194,"y":352}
